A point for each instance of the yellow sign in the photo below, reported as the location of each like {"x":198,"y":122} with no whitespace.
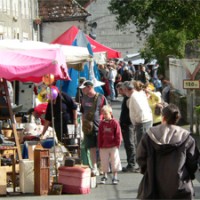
{"x":191,"y":84}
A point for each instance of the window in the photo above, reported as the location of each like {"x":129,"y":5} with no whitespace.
{"x":1,"y":36}
{"x":15,"y":7}
{"x":4,"y":6}
{"x":1,"y":5}
{"x":2,"y":27}
{"x":8,"y":7}
{"x":27,"y":8}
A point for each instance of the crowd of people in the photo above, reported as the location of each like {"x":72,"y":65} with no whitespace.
{"x":147,"y":126}
{"x":153,"y":142}
{"x":118,"y":71}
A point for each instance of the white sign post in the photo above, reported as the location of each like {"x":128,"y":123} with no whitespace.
{"x":192,"y":67}
{"x":191,"y":84}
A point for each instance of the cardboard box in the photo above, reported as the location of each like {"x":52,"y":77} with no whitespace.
{"x":3,"y":181}
{"x":8,"y":169}
{"x":18,"y":119}
{"x":30,"y":146}
{"x":31,"y":151}
{"x":26,"y":176}
{"x":3,"y":176}
{"x":3,"y":190}
{"x":7,"y":133}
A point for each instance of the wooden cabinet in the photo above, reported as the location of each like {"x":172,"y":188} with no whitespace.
{"x":41,"y":171}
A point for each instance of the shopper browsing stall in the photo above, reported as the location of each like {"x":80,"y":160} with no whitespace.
{"x":62,"y":103}
{"x":91,"y":105}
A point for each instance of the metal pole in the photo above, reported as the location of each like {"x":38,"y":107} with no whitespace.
{"x":191,"y":110}
{"x":54,"y":136}
{"x":61,"y":112}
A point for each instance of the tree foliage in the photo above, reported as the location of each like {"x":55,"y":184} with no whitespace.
{"x":173,"y":23}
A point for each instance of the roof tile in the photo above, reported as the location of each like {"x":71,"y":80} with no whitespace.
{"x":61,"y":10}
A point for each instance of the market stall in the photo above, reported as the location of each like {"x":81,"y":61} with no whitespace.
{"x":27,"y":66}
{"x":70,"y":35}
{"x":72,"y":54}
{"x":75,"y":37}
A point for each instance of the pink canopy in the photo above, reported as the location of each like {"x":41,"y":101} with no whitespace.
{"x":68,"y":37}
{"x":32,"y":65}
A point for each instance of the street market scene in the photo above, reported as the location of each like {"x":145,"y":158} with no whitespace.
{"x":99,"y":99}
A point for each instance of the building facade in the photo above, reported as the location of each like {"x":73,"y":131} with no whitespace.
{"x":17,"y":18}
{"x":58,"y":16}
{"x":125,"y":41}
{"x":40,"y":20}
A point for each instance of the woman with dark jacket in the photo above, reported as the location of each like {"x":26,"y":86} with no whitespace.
{"x":168,"y":159}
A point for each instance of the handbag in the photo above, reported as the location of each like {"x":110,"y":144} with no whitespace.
{"x":88,"y":121}
{"x":87,"y":126}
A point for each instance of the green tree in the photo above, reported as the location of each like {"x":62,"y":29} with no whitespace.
{"x":173,"y":24}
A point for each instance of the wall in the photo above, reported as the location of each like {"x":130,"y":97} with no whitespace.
{"x":51,"y":31}
{"x":16,"y":19}
{"x":124,"y":41}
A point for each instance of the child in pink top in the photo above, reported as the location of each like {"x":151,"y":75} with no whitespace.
{"x":109,"y":140}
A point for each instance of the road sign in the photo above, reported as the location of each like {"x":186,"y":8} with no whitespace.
{"x":191,"y":84}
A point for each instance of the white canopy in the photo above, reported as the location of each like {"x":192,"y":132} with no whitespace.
{"x":73,"y":54}
{"x":100,"y":58}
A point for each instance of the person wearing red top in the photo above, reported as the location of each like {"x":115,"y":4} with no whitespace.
{"x":109,"y":140}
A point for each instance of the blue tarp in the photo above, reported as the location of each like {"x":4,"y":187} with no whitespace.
{"x":70,"y":87}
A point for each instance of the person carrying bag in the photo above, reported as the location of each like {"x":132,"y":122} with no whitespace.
{"x":87,"y":121}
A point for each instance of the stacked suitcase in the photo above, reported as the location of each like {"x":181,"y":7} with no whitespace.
{"x":75,"y":180}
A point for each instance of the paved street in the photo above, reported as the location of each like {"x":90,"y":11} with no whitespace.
{"x":125,"y":190}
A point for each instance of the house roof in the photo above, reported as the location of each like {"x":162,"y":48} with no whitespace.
{"x":61,"y":10}
{"x":83,"y":2}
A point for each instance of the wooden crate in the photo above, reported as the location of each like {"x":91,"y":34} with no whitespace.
{"x":41,"y":171}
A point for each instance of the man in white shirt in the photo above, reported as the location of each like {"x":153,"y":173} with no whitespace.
{"x":139,"y":111}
